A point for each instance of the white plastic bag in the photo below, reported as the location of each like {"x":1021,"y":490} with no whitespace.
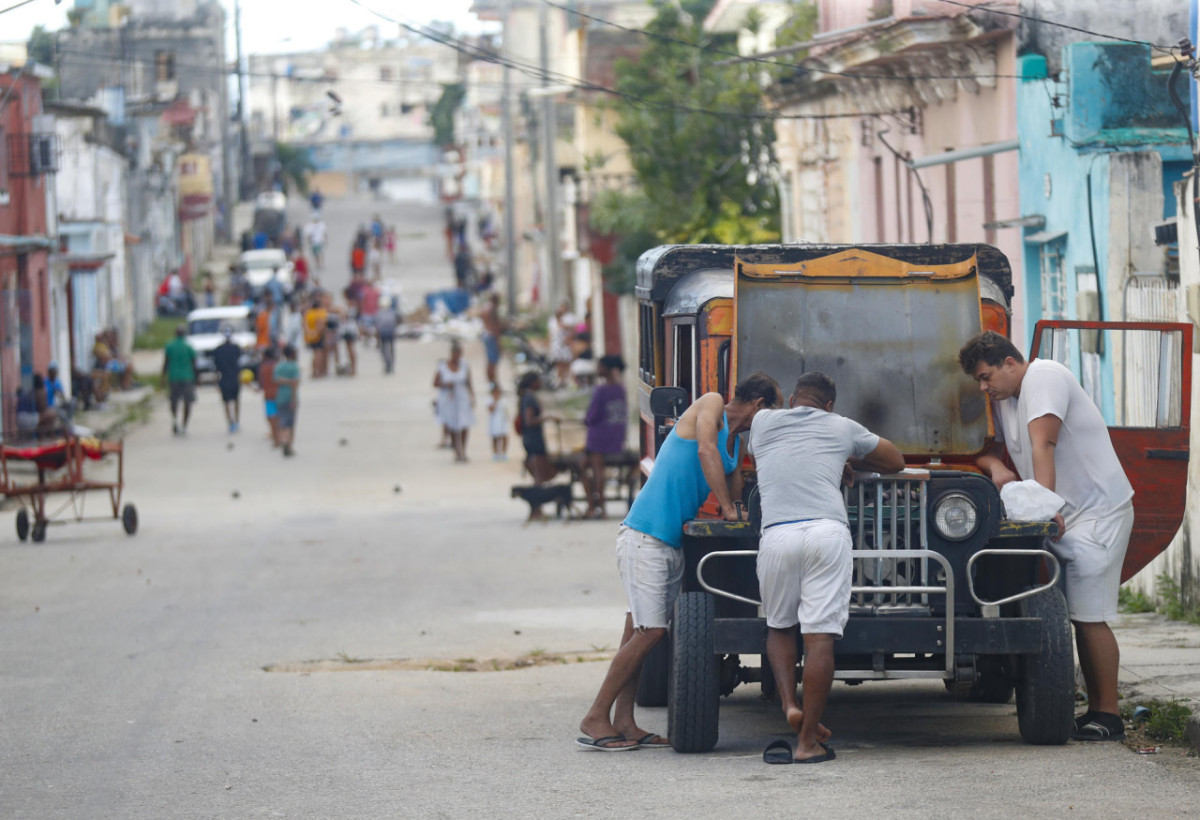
{"x":1030,"y":501}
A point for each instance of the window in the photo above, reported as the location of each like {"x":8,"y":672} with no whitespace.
{"x":1054,"y":284}
{"x":685,"y":359}
{"x":646,"y":334}
{"x":164,"y":66}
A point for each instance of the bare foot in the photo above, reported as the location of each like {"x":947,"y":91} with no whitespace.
{"x":637,"y":734}
{"x":795,"y":717}
{"x":597,"y":729}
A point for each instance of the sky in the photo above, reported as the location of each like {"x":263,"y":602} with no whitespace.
{"x":272,"y":26}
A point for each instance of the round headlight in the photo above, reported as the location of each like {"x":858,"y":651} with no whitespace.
{"x":955,"y":516}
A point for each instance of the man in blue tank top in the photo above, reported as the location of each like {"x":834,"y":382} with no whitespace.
{"x":700,"y":455}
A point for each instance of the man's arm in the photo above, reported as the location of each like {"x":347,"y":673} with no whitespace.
{"x":709,"y":413}
{"x":992,"y":464}
{"x":885,"y":458}
{"x":1043,"y":435}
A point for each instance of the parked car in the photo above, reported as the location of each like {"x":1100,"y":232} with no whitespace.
{"x":946,"y":586}
{"x":204,"y":334}
{"x":261,"y":265}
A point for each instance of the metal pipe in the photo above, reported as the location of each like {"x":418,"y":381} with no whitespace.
{"x":965,"y":153}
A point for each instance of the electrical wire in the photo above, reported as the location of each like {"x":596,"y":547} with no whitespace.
{"x":1044,"y":22}
{"x":581,"y":85}
{"x":858,"y":75}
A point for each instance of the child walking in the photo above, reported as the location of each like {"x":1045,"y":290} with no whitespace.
{"x":498,"y":424}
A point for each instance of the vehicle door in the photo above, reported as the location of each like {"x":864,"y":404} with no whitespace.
{"x":1140,"y":376}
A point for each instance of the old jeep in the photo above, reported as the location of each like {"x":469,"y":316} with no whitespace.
{"x":945,"y":586}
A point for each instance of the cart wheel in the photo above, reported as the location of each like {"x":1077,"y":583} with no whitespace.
{"x":129,"y":519}
{"x":38,"y":533}
{"x":1046,"y":690}
{"x":22,"y":523}
{"x":695,"y":690}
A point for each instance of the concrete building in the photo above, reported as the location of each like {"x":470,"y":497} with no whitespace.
{"x":28,"y":159}
{"x":361,"y":106}
{"x":152,"y":54}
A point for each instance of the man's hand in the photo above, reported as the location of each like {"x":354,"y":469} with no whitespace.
{"x":847,"y":475}
{"x":1001,"y":475}
{"x":1062,"y":527}
{"x":735,"y":513}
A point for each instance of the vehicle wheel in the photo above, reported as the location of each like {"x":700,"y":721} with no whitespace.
{"x":656,"y":671}
{"x":38,"y":533}
{"x":770,"y":691}
{"x":129,"y":519}
{"x":22,"y":523}
{"x":695,"y":695}
{"x":1046,"y":689}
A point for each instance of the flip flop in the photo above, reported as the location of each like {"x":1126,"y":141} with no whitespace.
{"x":829,"y":755}
{"x":779,"y":751}
{"x":599,"y":744}
{"x":648,"y":742}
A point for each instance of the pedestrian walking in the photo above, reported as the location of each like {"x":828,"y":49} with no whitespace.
{"x":315,"y":319}
{"x":533,"y":436}
{"x":498,"y":423}
{"x":606,"y":419}
{"x":227,"y":359}
{"x":287,"y":398}
{"x":453,"y":380}
{"x":386,"y":320}
{"x":493,"y":326}
{"x":179,"y":369}
{"x":270,"y":391}
{"x":315,"y":232}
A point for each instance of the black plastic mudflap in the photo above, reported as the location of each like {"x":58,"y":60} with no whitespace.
{"x":866,"y":636}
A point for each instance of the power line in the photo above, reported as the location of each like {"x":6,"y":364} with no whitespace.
{"x":711,"y":49}
{"x":1044,"y":22}
{"x":581,"y":85}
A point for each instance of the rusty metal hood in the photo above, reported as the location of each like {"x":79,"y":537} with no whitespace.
{"x":887,"y":331}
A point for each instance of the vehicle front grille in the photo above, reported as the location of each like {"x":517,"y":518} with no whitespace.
{"x":888,"y":513}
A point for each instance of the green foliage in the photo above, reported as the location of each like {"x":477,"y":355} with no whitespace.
{"x":1168,"y":719}
{"x":697,"y":9}
{"x":700,"y":177}
{"x":42,"y":46}
{"x":1174,"y":605}
{"x":156,"y":335}
{"x":294,"y":164}
{"x":442,"y":115}
{"x":799,"y":27}
{"x":1130,"y":601}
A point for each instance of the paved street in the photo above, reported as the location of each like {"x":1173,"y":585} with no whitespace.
{"x":262,"y":647}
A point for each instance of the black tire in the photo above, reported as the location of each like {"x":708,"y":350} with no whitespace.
{"x":129,"y":519}
{"x":695,"y":696}
{"x":655,"y":678}
{"x":1046,"y":689}
{"x":38,"y":533}
{"x":22,"y":523}
{"x":991,"y":688}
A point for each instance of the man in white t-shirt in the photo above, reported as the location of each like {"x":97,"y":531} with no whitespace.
{"x":804,"y":561}
{"x":1055,"y":434}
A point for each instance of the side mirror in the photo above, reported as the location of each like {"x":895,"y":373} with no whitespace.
{"x":669,"y":402}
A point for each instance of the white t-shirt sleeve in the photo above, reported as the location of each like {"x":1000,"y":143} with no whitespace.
{"x":1045,"y":394}
{"x":862,"y":441}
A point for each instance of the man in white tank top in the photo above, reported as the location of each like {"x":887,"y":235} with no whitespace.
{"x":1055,"y":434}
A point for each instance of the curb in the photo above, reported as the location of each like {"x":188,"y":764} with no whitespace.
{"x":1192,"y":732}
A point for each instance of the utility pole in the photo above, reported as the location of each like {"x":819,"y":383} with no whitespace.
{"x":510,"y":230}
{"x":554,"y":279}
{"x":247,"y":166}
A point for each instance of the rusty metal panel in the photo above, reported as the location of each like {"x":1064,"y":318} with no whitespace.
{"x":888,"y":333}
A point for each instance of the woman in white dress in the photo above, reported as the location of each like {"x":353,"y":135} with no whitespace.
{"x":456,"y":401}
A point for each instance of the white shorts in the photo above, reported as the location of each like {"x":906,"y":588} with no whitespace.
{"x":1091,"y":553}
{"x":652,"y":573}
{"x":804,"y":572}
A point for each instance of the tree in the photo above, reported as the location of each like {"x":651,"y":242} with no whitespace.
{"x":43,"y":48}
{"x":442,"y":115}
{"x":699,"y":141}
{"x":294,"y":164}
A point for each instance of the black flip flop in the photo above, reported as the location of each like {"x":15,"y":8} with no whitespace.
{"x":779,"y":751}
{"x":647,"y":742}
{"x":599,"y":744}
{"x":830,"y":754}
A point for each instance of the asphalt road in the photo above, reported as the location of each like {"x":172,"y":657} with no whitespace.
{"x":269,"y":654}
